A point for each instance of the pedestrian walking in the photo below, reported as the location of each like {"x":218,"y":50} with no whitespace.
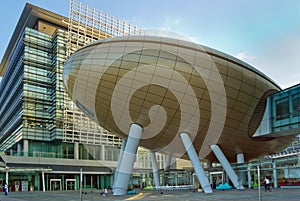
{"x":5,"y":189}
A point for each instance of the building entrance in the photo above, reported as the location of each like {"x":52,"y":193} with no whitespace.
{"x":70,"y":184}
{"x":216,"y":178}
{"x":55,"y":185}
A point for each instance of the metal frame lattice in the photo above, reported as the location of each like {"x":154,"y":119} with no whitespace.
{"x":85,"y":26}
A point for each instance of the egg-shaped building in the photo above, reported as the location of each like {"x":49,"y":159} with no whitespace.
{"x":169,"y":86}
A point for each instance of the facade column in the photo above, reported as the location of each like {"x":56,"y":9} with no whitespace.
{"x":63,"y":182}
{"x":47,"y":182}
{"x":77,"y":187}
{"x":103,"y":152}
{"x":111,"y":179}
{"x":25,"y":148}
{"x":19,"y":150}
{"x":274,"y":174}
{"x":141,"y":181}
{"x":196,"y":163}
{"x":76,"y":151}
{"x":154,"y":169}
{"x":43,"y":181}
{"x":91,"y":182}
{"x":227,"y":167}
{"x":84,"y":180}
{"x":128,"y":158}
{"x":98,"y":182}
{"x":37,"y":181}
{"x":102,"y":183}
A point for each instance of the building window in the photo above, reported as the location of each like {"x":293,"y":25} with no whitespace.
{"x":282,"y":109}
{"x":296,"y":105}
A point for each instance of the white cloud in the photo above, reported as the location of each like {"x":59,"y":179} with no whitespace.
{"x":244,"y":56}
{"x":171,"y":23}
{"x":280,"y":61}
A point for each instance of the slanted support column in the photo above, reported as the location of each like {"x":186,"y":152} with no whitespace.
{"x":119,"y":159}
{"x":154,"y":169}
{"x":227,"y":167}
{"x":127,"y":160}
{"x":168,"y":162}
{"x":196,"y":163}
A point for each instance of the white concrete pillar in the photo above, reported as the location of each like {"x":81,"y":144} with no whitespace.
{"x":274,"y":174}
{"x":25,"y":148}
{"x":119,"y":159}
{"x":240,"y":158}
{"x":6,"y":177}
{"x":128,"y":158}
{"x":103,"y":152}
{"x":19,"y":149}
{"x":196,"y":163}
{"x":227,"y":167}
{"x":154,"y":169}
{"x":168,"y":160}
{"x":258,"y":181}
{"x":76,"y":151}
{"x":43,"y":181}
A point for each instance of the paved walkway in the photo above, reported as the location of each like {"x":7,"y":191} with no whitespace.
{"x":240,"y":195}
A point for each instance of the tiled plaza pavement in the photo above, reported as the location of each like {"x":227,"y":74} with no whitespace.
{"x":242,"y":195}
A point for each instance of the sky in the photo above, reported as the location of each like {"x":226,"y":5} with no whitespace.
{"x":264,"y":34}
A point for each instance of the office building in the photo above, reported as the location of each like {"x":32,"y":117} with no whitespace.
{"x":44,"y":139}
